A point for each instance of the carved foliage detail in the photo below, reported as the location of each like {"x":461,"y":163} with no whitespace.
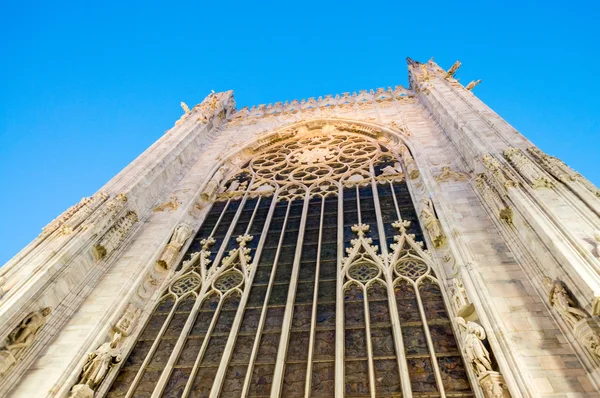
{"x":527,"y":169}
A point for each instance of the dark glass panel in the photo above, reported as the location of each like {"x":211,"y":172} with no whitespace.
{"x":421,"y":375}
{"x":454,"y":375}
{"x":234,"y":381}
{"x":323,"y":379}
{"x":433,"y":302}
{"x":383,"y":342}
{"x":294,"y":379}
{"x":262,"y":379}
{"x":406,"y":300}
{"x":269,"y":343}
{"x":177,"y":382}
{"x":203,"y":382}
{"x":355,"y":342}
{"x":356,"y":378}
{"x":387,"y":378}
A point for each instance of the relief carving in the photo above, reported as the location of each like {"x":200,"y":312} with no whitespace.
{"x":527,"y":169}
{"x":75,"y":215}
{"x":180,"y":236}
{"x":114,"y":236}
{"x":432,"y":224}
{"x":128,"y":320}
{"x":21,"y":338}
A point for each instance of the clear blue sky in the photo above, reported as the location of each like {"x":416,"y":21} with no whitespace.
{"x":87,"y":86}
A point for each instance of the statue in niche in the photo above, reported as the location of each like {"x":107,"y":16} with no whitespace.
{"x":559,"y":299}
{"x":432,"y":224}
{"x":99,"y":363}
{"x":475,"y":352}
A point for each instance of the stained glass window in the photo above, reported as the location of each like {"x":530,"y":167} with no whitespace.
{"x":308,"y":278}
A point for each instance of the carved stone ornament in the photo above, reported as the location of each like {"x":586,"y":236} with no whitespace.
{"x":99,"y":362}
{"x":127,"y":322}
{"x":472,"y":85}
{"x":493,"y":198}
{"x":493,"y":385}
{"x":432,"y":224}
{"x":596,"y":241}
{"x":527,"y":169}
{"x":21,"y":338}
{"x":447,"y":174}
{"x":409,"y":162}
{"x":181,"y":234}
{"x":114,"y":236}
{"x":170,"y":205}
{"x":460,"y":301}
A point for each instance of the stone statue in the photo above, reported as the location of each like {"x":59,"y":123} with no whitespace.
{"x":596,"y":240}
{"x":181,"y":234}
{"x":22,"y":336}
{"x":473,"y":348}
{"x":185,"y":108}
{"x":99,"y":363}
{"x":213,"y":184}
{"x":432,"y":224}
{"x":562,"y":302}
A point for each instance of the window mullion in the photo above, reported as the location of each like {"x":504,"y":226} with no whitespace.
{"x":228,"y":350}
{"x":289,"y":307}
{"x":339,"y":303}
{"x":313,"y":322}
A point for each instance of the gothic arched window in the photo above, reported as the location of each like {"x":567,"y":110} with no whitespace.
{"x":307,"y":278}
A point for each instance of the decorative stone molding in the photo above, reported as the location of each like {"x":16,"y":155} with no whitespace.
{"x":432,"y":224}
{"x":409,"y":162}
{"x":493,"y":199}
{"x":128,"y":320}
{"x":499,"y":175}
{"x":107,"y":213}
{"x":447,"y":174}
{"x":114,"y":236}
{"x":21,"y":338}
{"x":527,"y":169}
{"x":99,"y":362}
{"x":596,"y":249}
{"x":181,"y":234}
{"x":75,"y":215}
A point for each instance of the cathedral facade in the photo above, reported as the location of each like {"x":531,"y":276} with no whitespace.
{"x":400,"y":242}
